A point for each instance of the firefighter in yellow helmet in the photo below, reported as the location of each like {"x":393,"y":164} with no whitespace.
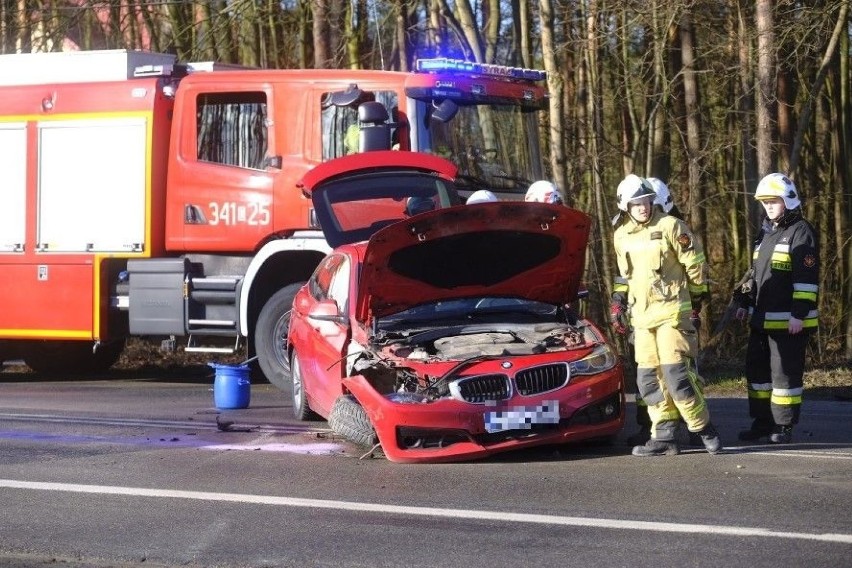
{"x":661,"y":267}
{"x":783,"y":307}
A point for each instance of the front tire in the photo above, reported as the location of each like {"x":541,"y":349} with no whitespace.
{"x":270,"y":336}
{"x":301,"y":408}
{"x":349,"y":419}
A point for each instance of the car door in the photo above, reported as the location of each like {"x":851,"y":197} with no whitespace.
{"x":321,"y":344}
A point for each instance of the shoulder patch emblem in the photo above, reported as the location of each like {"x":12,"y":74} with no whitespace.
{"x":685,"y":241}
{"x":810,"y":261}
{"x":656,"y":235}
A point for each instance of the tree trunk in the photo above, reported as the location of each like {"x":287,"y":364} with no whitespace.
{"x":746,"y":111}
{"x":691,"y":99}
{"x":322,"y":47}
{"x":557,"y":110}
{"x":492,"y":29}
{"x":402,"y":35}
{"x":766,"y":86}
{"x":470,"y":29}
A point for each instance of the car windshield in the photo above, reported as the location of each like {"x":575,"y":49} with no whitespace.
{"x":470,"y":309}
{"x":494,"y":146}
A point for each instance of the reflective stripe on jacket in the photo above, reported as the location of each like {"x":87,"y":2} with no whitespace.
{"x":786,"y":275}
{"x":661,"y":262}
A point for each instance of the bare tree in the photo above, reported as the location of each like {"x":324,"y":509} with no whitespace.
{"x":557,"y":108}
{"x":321,"y":30}
{"x":765,"y":99}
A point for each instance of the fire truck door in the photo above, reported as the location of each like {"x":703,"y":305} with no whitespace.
{"x":221,"y":188}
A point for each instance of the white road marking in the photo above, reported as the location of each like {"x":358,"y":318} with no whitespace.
{"x":838,"y":453}
{"x":305,"y":449}
{"x":503,"y":516}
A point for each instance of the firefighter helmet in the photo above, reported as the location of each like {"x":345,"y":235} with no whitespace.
{"x":778,"y":185}
{"x":633,"y":188}
{"x":416,"y":205}
{"x":664,"y":196}
{"x":543,"y":191}
{"x":481,"y":196}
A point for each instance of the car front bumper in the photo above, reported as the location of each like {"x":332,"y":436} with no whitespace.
{"x":452,"y":430}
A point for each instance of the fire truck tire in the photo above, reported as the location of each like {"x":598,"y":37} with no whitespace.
{"x":270,"y":337}
{"x":71,"y":357}
{"x":349,"y":419}
{"x":301,"y":407}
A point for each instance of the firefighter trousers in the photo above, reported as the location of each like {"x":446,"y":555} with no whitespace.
{"x":668,"y":381}
{"x":775,"y":367}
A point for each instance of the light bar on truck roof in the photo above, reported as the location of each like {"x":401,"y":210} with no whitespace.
{"x":153,"y":70}
{"x":461,"y":66}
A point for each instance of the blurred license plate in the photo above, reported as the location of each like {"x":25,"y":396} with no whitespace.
{"x":522,"y":417}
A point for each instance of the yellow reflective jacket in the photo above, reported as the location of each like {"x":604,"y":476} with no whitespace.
{"x":663,"y":266}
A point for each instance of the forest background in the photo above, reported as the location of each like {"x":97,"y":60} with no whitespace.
{"x":707,"y":95}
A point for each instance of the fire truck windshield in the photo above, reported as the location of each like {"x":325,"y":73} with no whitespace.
{"x":495,"y":146}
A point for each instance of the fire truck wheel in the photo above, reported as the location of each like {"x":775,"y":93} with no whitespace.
{"x":270,"y":337}
{"x":71,"y":357}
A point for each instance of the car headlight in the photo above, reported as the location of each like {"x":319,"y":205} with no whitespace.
{"x":602,"y":358}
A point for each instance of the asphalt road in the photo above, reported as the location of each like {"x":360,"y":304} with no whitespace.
{"x":134,"y":471}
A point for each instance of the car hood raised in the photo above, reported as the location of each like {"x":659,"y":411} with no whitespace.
{"x":506,"y":249}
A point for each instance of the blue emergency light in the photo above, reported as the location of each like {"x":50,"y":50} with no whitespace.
{"x":444,"y":65}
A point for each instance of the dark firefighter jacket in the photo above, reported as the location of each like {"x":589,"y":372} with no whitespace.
{"x":786,"y":274}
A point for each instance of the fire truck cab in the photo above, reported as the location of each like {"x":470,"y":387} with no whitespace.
{"x":142,"y":196}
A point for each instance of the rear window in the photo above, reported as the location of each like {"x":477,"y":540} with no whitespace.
{"x":352,"y":209}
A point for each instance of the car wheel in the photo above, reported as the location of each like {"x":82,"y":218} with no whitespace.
{"x":349,"y":419}
{"x":270,"y":336}
{"x":301,"y":408}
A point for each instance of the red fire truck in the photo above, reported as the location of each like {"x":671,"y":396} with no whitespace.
{"x":142,"y":196}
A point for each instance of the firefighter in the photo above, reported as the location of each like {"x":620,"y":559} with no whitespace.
{"x":661,"y":268}
{"x":481,"y":196}
{"x":543,"y":191}
{"x":664,"y":200}
{"x":783,"y":307}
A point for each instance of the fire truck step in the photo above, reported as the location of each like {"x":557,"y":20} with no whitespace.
{"x":212,"y":323}
{"x":192,"y":346}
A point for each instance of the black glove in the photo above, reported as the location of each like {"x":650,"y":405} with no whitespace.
{"x":695,"y":318}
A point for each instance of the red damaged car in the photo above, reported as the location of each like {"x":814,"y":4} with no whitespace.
{"x":448,"y":335}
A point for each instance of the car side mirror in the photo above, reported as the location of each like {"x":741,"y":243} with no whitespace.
{"x":327,"y":310}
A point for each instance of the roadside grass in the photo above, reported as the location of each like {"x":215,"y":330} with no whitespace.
{"x":723,"y":377}
{"x":823,"y":382}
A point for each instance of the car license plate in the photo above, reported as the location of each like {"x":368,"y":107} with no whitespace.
{"x":522,"y":417}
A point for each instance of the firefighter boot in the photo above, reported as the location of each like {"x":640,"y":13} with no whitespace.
{"x":657,"y":448}
{"x":781,"y":435}
{"x":759,"y":429}
{"x":640,"y":437}
{"x":710,"y":439}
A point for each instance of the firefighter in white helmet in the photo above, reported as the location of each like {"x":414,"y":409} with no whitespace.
{"x":661,"y":266}
{"x":543,"y":191}
{"x":481,"y":196}
{"x":664,"y":200}
{"x":664,"y":197}
{"x":783,"y":306}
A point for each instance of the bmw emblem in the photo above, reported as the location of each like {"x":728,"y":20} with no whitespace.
{"x":506,"y":364}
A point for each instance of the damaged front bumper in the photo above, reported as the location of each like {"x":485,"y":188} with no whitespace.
{"x":452,"y":430}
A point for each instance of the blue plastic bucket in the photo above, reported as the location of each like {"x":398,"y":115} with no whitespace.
{"x":231,"y":387}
